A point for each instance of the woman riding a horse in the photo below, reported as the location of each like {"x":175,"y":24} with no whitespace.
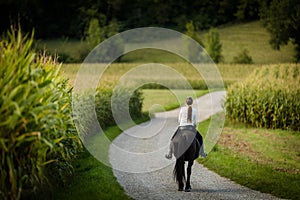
{"x":186,"y":144}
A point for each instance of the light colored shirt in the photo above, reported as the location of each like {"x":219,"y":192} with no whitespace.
{"x":182,"y":118}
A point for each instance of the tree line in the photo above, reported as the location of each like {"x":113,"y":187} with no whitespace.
{"x":56,"y":18}
{"x":71,"y":18}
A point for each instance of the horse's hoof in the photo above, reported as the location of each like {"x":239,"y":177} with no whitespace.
{"x":180,"y":189}
{"x":188,"y":189}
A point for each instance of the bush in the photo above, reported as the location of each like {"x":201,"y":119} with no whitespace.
{"x":96,"y":35}
{"x":100,"y":101}
{"x":243,"y":58}
{"x":214,"y":46}
{"x":193,"y":51}
{"x":36,"y":130}
{"x":103,"y":100}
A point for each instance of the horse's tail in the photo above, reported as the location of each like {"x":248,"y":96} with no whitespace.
{"x":178,"y":171}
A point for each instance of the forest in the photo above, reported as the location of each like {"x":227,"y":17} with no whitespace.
{"x":68,"y":18}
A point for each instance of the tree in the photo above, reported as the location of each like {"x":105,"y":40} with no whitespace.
{"x":282,"y":19}
{"x":214,"y":46}
{"x":193,"y":51}
{"x":248,"y":9}
{"x":97,"y":34}
{"x":94,"y":34}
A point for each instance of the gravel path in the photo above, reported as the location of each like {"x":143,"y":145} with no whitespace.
{"x":137,"y":157}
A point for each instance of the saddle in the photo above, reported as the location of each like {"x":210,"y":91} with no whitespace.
{"x":183,"y":139}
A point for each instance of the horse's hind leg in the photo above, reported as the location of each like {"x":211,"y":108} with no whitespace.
{"x":189,"y":172}
{"x":180,"y":183}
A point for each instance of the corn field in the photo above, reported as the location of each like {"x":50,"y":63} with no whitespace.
{"x":269,"y":98}
{"x":37,"y":137}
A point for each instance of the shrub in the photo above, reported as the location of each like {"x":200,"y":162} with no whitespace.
{"x":110,"y":48}
{"x":214,"y":46}
{"x":193,"y":51}
{"x":100,"y":101}
{"x":243,"y":58}
{"x":103,"y":100}
{"x":94,"y":34}
{"x":268,"y":98}
{"x":36,"y":128}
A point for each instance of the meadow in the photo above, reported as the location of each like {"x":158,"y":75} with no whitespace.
{"x":230,"y":72}
{"x":233,"y":37}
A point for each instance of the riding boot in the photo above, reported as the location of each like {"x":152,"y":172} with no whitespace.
{"x":200,"y":139}
{"x":201,"y":152}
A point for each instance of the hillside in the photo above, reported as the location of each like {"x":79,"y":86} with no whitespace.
{"x":234,"y":38}
{"x":254,"y":37}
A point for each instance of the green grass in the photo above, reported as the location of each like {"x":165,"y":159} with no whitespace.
{"x":166,"y":99}
{"x":151,"y":55}
{"x":92,"y":179}
{"x":261,"y":159}
{"x":234,"y":38}
{"x":254,"y":37}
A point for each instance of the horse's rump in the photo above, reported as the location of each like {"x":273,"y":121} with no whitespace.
{"x":183,"y":140}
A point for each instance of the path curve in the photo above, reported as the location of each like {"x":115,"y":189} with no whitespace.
{"x":154,"y":178}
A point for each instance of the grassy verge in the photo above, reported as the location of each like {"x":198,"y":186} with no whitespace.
{"x":93,"y":179}
{"x":261,"y":159}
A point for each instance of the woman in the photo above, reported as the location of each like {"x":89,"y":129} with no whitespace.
{"x":188,"y":117}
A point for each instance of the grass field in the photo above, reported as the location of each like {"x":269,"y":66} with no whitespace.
{"x":166,"y":100}
{"x":234,"y":38}
{"x":253,"y":37}
{"x":230,"y":72}
{"x":262,"y":159}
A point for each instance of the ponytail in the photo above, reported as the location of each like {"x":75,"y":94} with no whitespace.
{"x":189,"y":115}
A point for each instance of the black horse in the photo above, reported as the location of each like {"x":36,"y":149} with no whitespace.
{"x":186,"y":148}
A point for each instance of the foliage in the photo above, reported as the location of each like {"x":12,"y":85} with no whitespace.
{"x":36,"y":130}
{"x":111,"y":48}
{"x":243,"y":58}
{"x":191,"y":32}
{"x":74,"y":16}
{"x":103,"y":104}
{"x":268,"y":98}
{"x":248,"y":9}
{"x":251,"y":35}
{"x":94,"y":34}
{"x":282,"y":19}
{"x":194,"y":52}
{"x":214,"y":46}
{"x":100,"y":102}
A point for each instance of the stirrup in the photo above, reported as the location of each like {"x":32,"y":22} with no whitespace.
{"x":203,"y":155}
{"x":168,"y":156}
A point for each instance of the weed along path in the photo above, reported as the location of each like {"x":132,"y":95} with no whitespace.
{"x":138,"y":159}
